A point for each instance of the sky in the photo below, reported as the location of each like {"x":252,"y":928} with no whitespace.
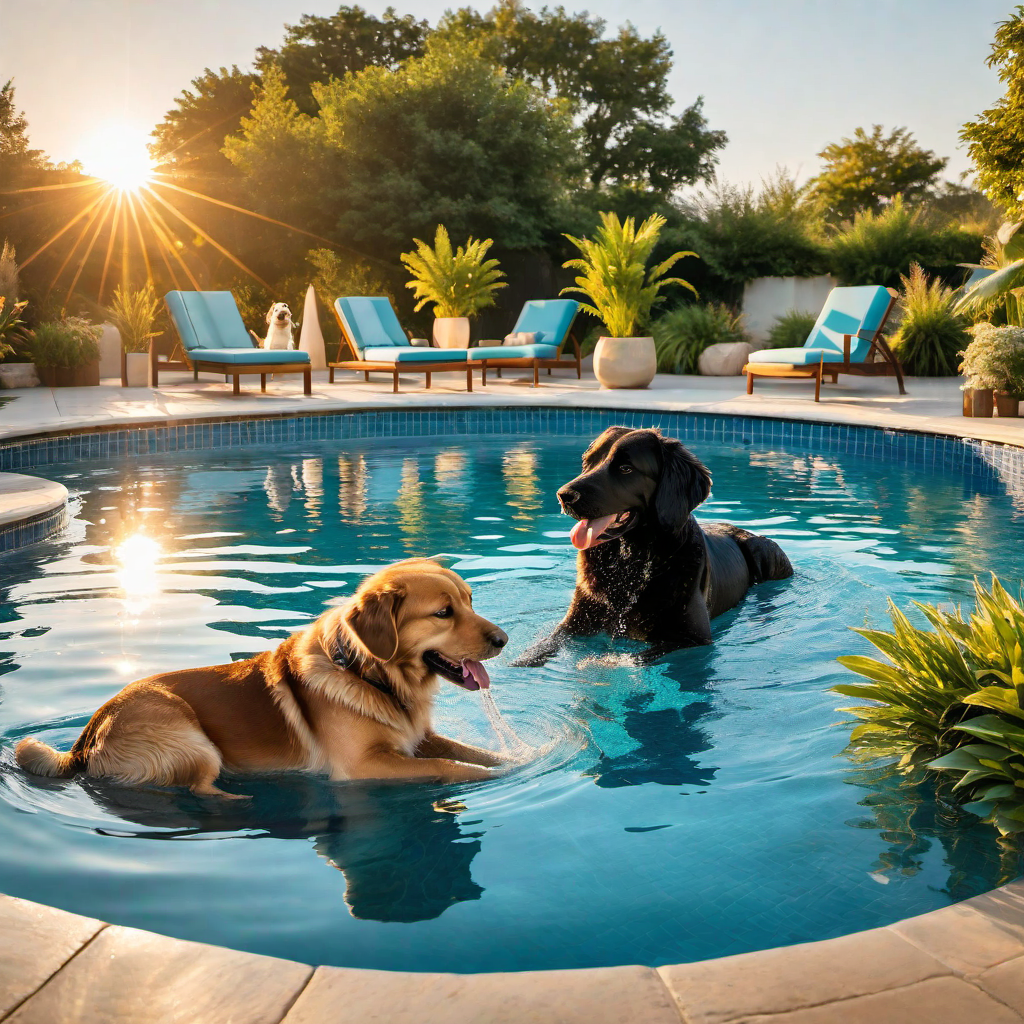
{"x":781,"y":77}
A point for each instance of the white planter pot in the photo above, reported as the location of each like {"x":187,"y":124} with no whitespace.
{"x":451,"y":332}
{"x":137,"y":369}
{"x":625,"y":362}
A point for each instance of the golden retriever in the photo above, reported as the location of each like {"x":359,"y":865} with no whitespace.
{"x":349,"y":696}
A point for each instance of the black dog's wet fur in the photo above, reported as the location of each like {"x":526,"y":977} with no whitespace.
{"x":665,"y":578}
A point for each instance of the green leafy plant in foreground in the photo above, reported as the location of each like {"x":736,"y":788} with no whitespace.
{"x":950,"y":699}
{"x":682,"y":334}
{"x":614,"y":275}
{"x":791,"y":329}
{"x":458,"y":282}
{"x":12,"y":327}
{"x":930,"y":336}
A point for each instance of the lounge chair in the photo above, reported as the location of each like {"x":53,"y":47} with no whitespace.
{"x":846,"y":338}
{"x":371,"y":331}
{"x":214,"y":339}
{"x":551,"y":320}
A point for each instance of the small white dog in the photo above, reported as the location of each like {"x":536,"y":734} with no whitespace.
{"x":279,"y":328}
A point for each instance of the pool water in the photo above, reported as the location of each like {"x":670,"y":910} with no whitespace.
{"x":695,"y":808}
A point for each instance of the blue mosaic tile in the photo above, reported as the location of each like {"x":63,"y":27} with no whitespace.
{"x":28,"y":531}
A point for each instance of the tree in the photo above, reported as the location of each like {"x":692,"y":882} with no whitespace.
{"x":445,"y":138}
{"x":321,"y":48}
{"x":16,"y":157}
{"x":618,"y":88}
{"x":867,"y":171}
{"x":996,"y":139}
{"x":190,"y":139}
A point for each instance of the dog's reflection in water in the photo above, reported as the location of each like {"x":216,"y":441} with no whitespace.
{"x":402,"y":849}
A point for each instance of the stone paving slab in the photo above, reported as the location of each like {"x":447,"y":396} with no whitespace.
{"x":35,"y":942}
{"x":128,"y":976}
{"x":1005,"y":983}
{"x":605,"y":995}
{"x":939,"y":1001}
{"x":792,"y":977}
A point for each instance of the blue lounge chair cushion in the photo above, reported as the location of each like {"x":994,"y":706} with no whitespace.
{"x":258,"y":356}
{"x":550,"y":317}
{"x":208,"y":320}
{"x":371,"y":322}
{"x":513,"y":352}
{"x":797,"y":356}
{"x":409,"y":354}
{"x":855,"y":311}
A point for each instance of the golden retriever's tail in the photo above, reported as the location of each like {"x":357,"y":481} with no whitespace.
{"x":40,"y":759}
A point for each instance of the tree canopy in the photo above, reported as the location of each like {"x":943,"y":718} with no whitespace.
{"x":16,"y":156}
{"x":996,"y":139}
{"x":865,"y":172}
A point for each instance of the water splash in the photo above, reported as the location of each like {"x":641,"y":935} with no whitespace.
{"x":512,"y":746}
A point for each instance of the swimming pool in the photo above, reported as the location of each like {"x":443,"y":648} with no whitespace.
{"x":695,"y":808}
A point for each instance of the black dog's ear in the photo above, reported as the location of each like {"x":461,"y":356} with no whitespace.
{"x":372,"y":618}
{"x":684,"y":483}
{"x":598,"y":449}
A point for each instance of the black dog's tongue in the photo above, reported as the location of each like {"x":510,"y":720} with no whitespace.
{"x":587,"y":532}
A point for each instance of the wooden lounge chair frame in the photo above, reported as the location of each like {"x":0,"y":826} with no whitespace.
{"x":367,"y":366}
{"x":886,"y":366}
{"x":538,"y":364}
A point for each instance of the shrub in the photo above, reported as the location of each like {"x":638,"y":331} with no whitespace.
{"x":930,"y":336}
{"x":459,"y":282}
{"x":66,"y":344}
{"x":791,"y":329}
{"x":614,"y":274}
{"x":682,"y":334}
{"x":876,"y":248}
{"x":742,"y":237}
{"x":995,"y":359}
{"x":134,"y":313}
{"x":938,"y":692}
{"x":8,"y":273}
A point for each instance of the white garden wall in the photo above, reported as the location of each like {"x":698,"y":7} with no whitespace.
{"x":766,"y":298}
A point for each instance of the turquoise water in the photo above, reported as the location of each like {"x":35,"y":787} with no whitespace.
{"x":695,"y":808}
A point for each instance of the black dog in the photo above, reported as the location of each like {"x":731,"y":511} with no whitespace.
{"x":646,"y":570}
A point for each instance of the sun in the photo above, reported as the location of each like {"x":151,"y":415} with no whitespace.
{"x":117,"y":153}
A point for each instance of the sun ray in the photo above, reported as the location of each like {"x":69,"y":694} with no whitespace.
{"x":165,"y":235}
{"x":97,"y":219}
{"x":161,"y":248}
{"x":125,"y":245}
{"x":85,"y":259}
{"x":67,"y":227}
{"x":98,"y":182}
{"x":110,"y":244}
{"x":209,"y":238}
{"x":138,"y":232}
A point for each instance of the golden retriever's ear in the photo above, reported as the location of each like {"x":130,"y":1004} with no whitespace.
{"x":599,"y":447}
{"x":373,"y":621}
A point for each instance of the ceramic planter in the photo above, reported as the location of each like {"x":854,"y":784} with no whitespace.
{"x":1007,"y":404}
{"x":87,"y":375}
{"x":135,"y":370}
{"x":625,"y":362}
{"x":451,"y":332}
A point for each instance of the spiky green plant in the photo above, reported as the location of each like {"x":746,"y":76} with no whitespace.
{"x":927,"y":693}
{"x":930,"y":336}
{"x":791,"y":329}
{"x":682,"y":334}
{"x":458,"y":282}
{"x":614,"y":275}
{"x":134,"y":312}
{"x":12,"y":327}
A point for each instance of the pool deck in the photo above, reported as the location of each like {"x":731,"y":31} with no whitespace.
{"x":958,"y":964}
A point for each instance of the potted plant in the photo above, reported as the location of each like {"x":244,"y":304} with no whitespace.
{"x":459,"y":283}
{"x":133,"y":313}
{"x":66,"y":352}
{"x":622,"y":291}
{"x":993,"y":364}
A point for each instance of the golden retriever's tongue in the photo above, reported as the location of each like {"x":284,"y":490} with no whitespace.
{"x":474,"y":673}
{"x":586,"y":533}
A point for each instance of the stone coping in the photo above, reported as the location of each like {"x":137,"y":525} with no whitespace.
{"x":31,"y":509}
{"x":964,"y":963}
{"x":961,"y":963}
